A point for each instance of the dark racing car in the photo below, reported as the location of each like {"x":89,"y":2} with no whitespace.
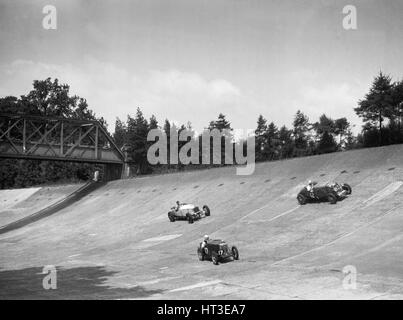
{"x":216,"y":251}
{"x":331,"y":192}
{"x":188,"y":212}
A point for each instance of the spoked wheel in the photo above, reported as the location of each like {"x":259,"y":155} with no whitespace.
{"x":171,"y":217}
{"x":301,"y":199}
{"x":235,"y":253}
{"x":215,"y":260}
{"x":348,"y":188}
{"x":206,"y":210}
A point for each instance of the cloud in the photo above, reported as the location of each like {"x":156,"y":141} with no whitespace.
{"x":334,"y":99}
{"x":113,"y":91}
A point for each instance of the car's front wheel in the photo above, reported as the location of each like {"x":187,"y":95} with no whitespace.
{"x":347,"y":187}
{"x":190,"y":218}
{"x":206,"y":210}
{"x":214,"y":258}
{"x":235,"y":253}
{"x":301,"y":199}
{"x":171,"y":217}
{"x":200,"y":254}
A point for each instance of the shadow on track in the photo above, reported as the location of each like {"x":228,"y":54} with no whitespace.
{"x":74,"y":283}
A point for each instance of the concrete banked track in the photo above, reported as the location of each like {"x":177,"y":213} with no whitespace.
{"x":117,"y":242}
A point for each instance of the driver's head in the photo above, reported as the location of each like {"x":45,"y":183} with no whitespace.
{"x":206,"y":237}
{"x":177,"y":202}
{"x":310,"y":182}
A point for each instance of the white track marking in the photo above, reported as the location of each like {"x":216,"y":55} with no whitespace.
{"x":254,"y":211}
{"x":197,"y":285}
{"x":163,"y":238}
{"x":144,"y":283}
{"x":274,"y":218}
{"x":388,"y":190}
{"x":339,"y":238}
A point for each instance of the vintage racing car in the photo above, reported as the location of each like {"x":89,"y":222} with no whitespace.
{"x":216,"y":251}
{"x":331,"y":192}
{"x":188,"y":212}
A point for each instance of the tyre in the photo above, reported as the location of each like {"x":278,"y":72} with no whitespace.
{"x":332,"y":198}
{"x":348,"y":188}
{"x":171,"y":217}
{"x":206,"y":210}
{"x":214,"y":259}
{"x":301,"y":199}
{"x":200,"y":254}
{"x":235,"y":253}
{"x":190,"y":219}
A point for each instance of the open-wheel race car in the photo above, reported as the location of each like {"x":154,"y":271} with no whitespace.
{"x":188,"y":212}
{"x":331,"y":192}
{"x":217,"y":251}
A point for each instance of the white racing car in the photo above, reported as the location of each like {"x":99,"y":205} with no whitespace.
{"x":188,"y":212}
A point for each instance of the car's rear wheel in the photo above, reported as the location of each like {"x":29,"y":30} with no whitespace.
{"x":214,"y":259}
{"x":171,"y":217}
{"x":301,"y":199}
{"x":347,"y":187}
{"x":206,"y":210}
{"x":200,"y":254}
{"x":235,"y":253}
{"x":332,"y":198}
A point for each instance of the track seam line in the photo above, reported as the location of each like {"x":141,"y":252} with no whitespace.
{"x":339,"y":238}
{"x":275,"y":217}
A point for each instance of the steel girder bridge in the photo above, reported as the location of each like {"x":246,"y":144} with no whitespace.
{"x":62,"y":139}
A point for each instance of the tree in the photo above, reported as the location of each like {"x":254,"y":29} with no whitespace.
{"x":397,"y":98}
{"x":224,"y":126}
{"x":137,"y":131}
{"x":286,"y":142}
{"x":325,"y":124}
{"x":261,"y":142}
{"x":221,"y":123}
{"x":301,"y":122}
{"x":377,"y":104}
{"x":120,"y":133}
{"x":153,"y":123}
{"x":273,"y":140}
{"x":327,"y":143}
{"x":343,"y":130}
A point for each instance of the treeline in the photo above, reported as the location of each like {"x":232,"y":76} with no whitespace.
{"x":271,"y":143}
{"x":381,"y":110}
{"x":132,"y":136}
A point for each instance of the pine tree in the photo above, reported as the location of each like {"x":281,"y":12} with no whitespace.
{"x":260,"y":135}
{"x":377,"y":104}
{"x":301,"y":122}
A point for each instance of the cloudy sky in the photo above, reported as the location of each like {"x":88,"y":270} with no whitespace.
{"x":188,"y":60}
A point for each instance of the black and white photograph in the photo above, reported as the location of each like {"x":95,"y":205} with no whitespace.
{"x":200,"y":154}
